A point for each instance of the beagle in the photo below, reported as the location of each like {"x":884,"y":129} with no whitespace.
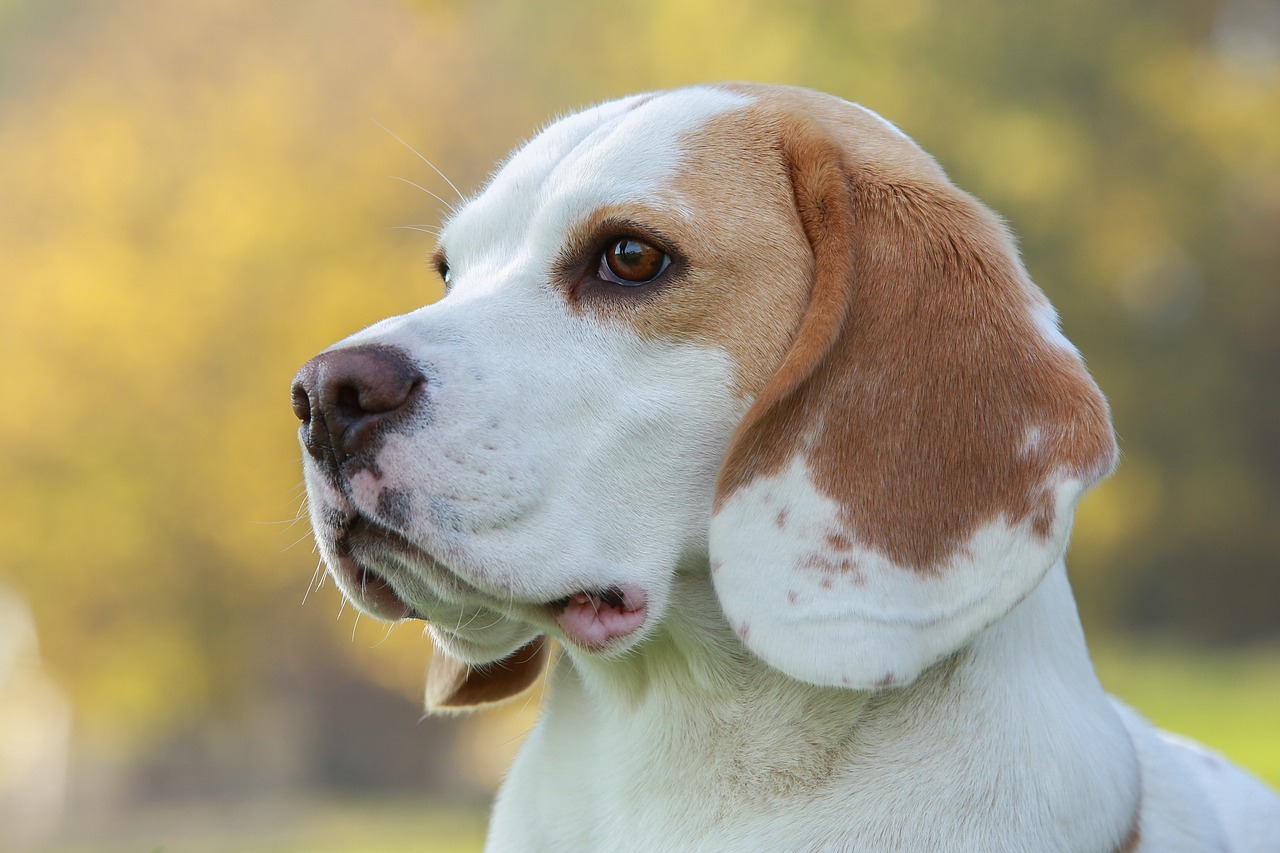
{"x":735,"y":396}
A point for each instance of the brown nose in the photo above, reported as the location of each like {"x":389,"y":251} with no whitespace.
{"x":346,"y":397}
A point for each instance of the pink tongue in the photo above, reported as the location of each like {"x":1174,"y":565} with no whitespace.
{"x":593,"y":622}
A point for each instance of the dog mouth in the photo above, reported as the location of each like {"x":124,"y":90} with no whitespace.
{"x":595,"y":619}
{"x":370,"y":588}
{"x":592,"y":619}
{"x":374,"y":592}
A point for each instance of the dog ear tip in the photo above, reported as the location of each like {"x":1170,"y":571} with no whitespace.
{"x":459,"y":704}
{"x":454,"y":687}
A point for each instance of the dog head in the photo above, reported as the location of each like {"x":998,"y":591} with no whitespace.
{"x":748,"y":328}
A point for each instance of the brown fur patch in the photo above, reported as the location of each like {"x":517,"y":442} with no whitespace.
{"x":918,"y":368}
{"x":743,"y":278}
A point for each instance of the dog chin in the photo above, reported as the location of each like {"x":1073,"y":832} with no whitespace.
{"x":498,"y":641}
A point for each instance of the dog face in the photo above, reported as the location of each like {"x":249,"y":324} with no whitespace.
{"x":744,"y":331}
{"x":553,"y":446}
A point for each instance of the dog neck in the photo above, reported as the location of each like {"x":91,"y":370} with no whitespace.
{"x":1009,"y":743}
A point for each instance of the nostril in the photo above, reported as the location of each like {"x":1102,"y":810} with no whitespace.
{"x":346,"y":397}
{"x":347,"y":400}
{"x":301,"y":404}
{"x":371,"y":392}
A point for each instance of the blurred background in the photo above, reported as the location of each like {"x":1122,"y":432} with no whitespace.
{"x":197,"y":196}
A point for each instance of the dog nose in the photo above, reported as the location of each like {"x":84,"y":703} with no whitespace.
{"x":346,"y":397}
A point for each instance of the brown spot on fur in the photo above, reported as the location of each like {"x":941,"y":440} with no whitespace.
{"x":1132,"y":840}
{"x":781,"y":521}
{"x":839,"y":541}
{"x":793,"y":596}
{"x":830,"y":565}
{"x":885,"y":680}
{"x":918,"y":366}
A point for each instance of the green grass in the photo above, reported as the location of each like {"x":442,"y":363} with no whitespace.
{"x":295,"y":827}
{"x":1227,"y":700}
{"x":401,"y":828}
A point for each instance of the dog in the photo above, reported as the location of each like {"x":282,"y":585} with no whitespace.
{"x":735,"y":397}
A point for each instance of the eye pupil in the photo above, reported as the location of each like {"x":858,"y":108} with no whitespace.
{"x":630,"y":261}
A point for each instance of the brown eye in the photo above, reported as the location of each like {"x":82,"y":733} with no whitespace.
{"x":628,"y":261}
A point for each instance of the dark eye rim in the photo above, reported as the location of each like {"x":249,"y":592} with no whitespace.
{"x":605,"y":270}
{"x":577,"y":268}
{"x":441,"y":263}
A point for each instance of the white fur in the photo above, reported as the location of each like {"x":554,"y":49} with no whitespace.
{"x":851,"y":617}
{"x":1013,"y":756}
{"x":556,"y":452}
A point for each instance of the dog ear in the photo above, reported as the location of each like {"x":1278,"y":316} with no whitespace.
{"x":456,"y":686}
{"x":909,"y":472}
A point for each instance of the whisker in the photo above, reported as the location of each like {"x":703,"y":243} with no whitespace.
{"x":540,"y":693}
{"x":386,"y":635}
{"x":288,"y":521}
{"x":474,"y":617}
{"x":292,"y":524}
{"x":317,"y":578}
{"x":299,"y":513}
{"x":295,"y":542}
{"x":418,"y":186}
{"x":418,"y":154}
{"x":502,"y":617}
{"x":434,"y":232}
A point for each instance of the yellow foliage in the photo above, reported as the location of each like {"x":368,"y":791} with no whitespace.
{"x":195,"y":198}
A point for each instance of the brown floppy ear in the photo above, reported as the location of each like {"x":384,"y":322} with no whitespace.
{"x":455,"y":686}
{"x":909,"y":472}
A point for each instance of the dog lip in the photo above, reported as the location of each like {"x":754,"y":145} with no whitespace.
{"x":373,"y":591}
{"x":368,"y":537}
{"x":594,"y":619}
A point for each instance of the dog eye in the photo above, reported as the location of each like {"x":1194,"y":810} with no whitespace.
{"x":443,"y":269}
{"x":630,"y":262}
